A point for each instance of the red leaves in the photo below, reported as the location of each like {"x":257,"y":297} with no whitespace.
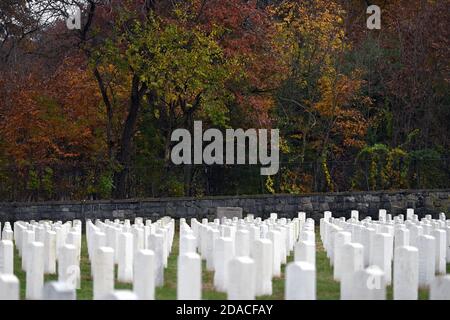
{"x":52,"y":120}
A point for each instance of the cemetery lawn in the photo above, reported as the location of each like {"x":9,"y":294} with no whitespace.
{"x":327,"y":288}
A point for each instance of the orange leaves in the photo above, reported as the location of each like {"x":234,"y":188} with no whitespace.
{"x":52,"y":119}
{"x":337,"y":91}
{"x":339,"y":94}
{"x":248,"y":33}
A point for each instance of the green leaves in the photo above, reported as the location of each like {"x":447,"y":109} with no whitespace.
{"x":176,"y":61}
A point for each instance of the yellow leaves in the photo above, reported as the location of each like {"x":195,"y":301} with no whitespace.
{"x":284,"y":146}
{"x":316,"y":23}
{"x":336,"y":92}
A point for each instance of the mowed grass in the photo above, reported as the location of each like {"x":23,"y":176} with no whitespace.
{"x":327,"y":288}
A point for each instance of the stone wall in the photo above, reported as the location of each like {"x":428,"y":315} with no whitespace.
{"x":368,"y":203}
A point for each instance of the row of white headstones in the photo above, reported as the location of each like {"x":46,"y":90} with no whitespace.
{"x":140,"y":252}
{"x":245,"y":255}
{"x":368,"y":255}
{"x":40,"y":245}
{"x":239,"y":251}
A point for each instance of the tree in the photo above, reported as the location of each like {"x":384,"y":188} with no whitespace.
{"x":320,"y":105}
{"x":54,"y":123}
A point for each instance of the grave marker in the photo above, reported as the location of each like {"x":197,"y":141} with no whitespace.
{"x":300,"y":281}
{"x":144,"y":275}
{"x":35,"y":274}
{"x":406,"y":273}
{"x":427,"y":260}
{"x":9,"y":287}
{"x":59,"y":291}
{"x":440,"y":288}
{"x":241,"y":279}
{"x":6,"y":257}
{"x":125,"y":256}
{"x":224,"y":252}
{"x":104,"y":273}
{"x":440,"y":246}
{"x":189,"y":277}
{"x":228,"y":212}
{"x":262,"y":255}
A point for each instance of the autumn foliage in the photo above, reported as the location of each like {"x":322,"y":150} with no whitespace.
{"x":89,"y":113}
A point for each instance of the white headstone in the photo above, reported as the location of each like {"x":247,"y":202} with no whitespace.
{"x":241,"y":279}
{"x":224,"y":252}
{"x":409,"y":214}
{"x":125,"y":258}
{"x":401,"y":238}
{"x":50,"y":252}
{"x":340,"y":239}
{"x":187,"y":244}
{"x":144,"y":275}
{"x":262,"y":254}
{"x":275,"y":237}
{"x":440,"y":288}
{"x":448,"y":244}
{"x":156,"y":243}
{"x":242,"y":243}
{"x":121,"y":295}
{"x":9,"y":287}
{"x":189,"y":277}
{"x":367,"y":284}
{"x":35,"y":274}
{"x":59,"y":291}
{"x":308,"y":236}
{"x":330,"y":239}
{"x":6,"y":257}
{"x":382,"y":254}
{"x":427,"y":260}
{"x":7,"y":234}
{"x":68,"y":267}
{"x":352,"y":261}
{"x":103,"y":273}
{"x":415,"y":232}
{"x":368,"y":235}
{"x":441,"y":248}
{"x":300,"y":283}
{"x":27,"y":240}
{"x":302,"y":217}
{"x":382,"y":214}
{"x":305,"y":251}
{"x":138,"y":238}
{"x":406,"y":273}
{"x":212,"y":235}
{"x":98,"y":241}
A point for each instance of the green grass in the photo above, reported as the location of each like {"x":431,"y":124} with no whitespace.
{"x":327,"y":288}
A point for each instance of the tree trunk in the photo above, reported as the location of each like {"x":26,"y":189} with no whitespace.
{"x":124,"y":153}
{"x":109,"y":112}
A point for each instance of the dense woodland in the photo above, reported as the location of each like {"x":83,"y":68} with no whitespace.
{"x":88,"y":114}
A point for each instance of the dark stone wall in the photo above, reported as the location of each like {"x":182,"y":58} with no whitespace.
{"x":423,"y":201}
